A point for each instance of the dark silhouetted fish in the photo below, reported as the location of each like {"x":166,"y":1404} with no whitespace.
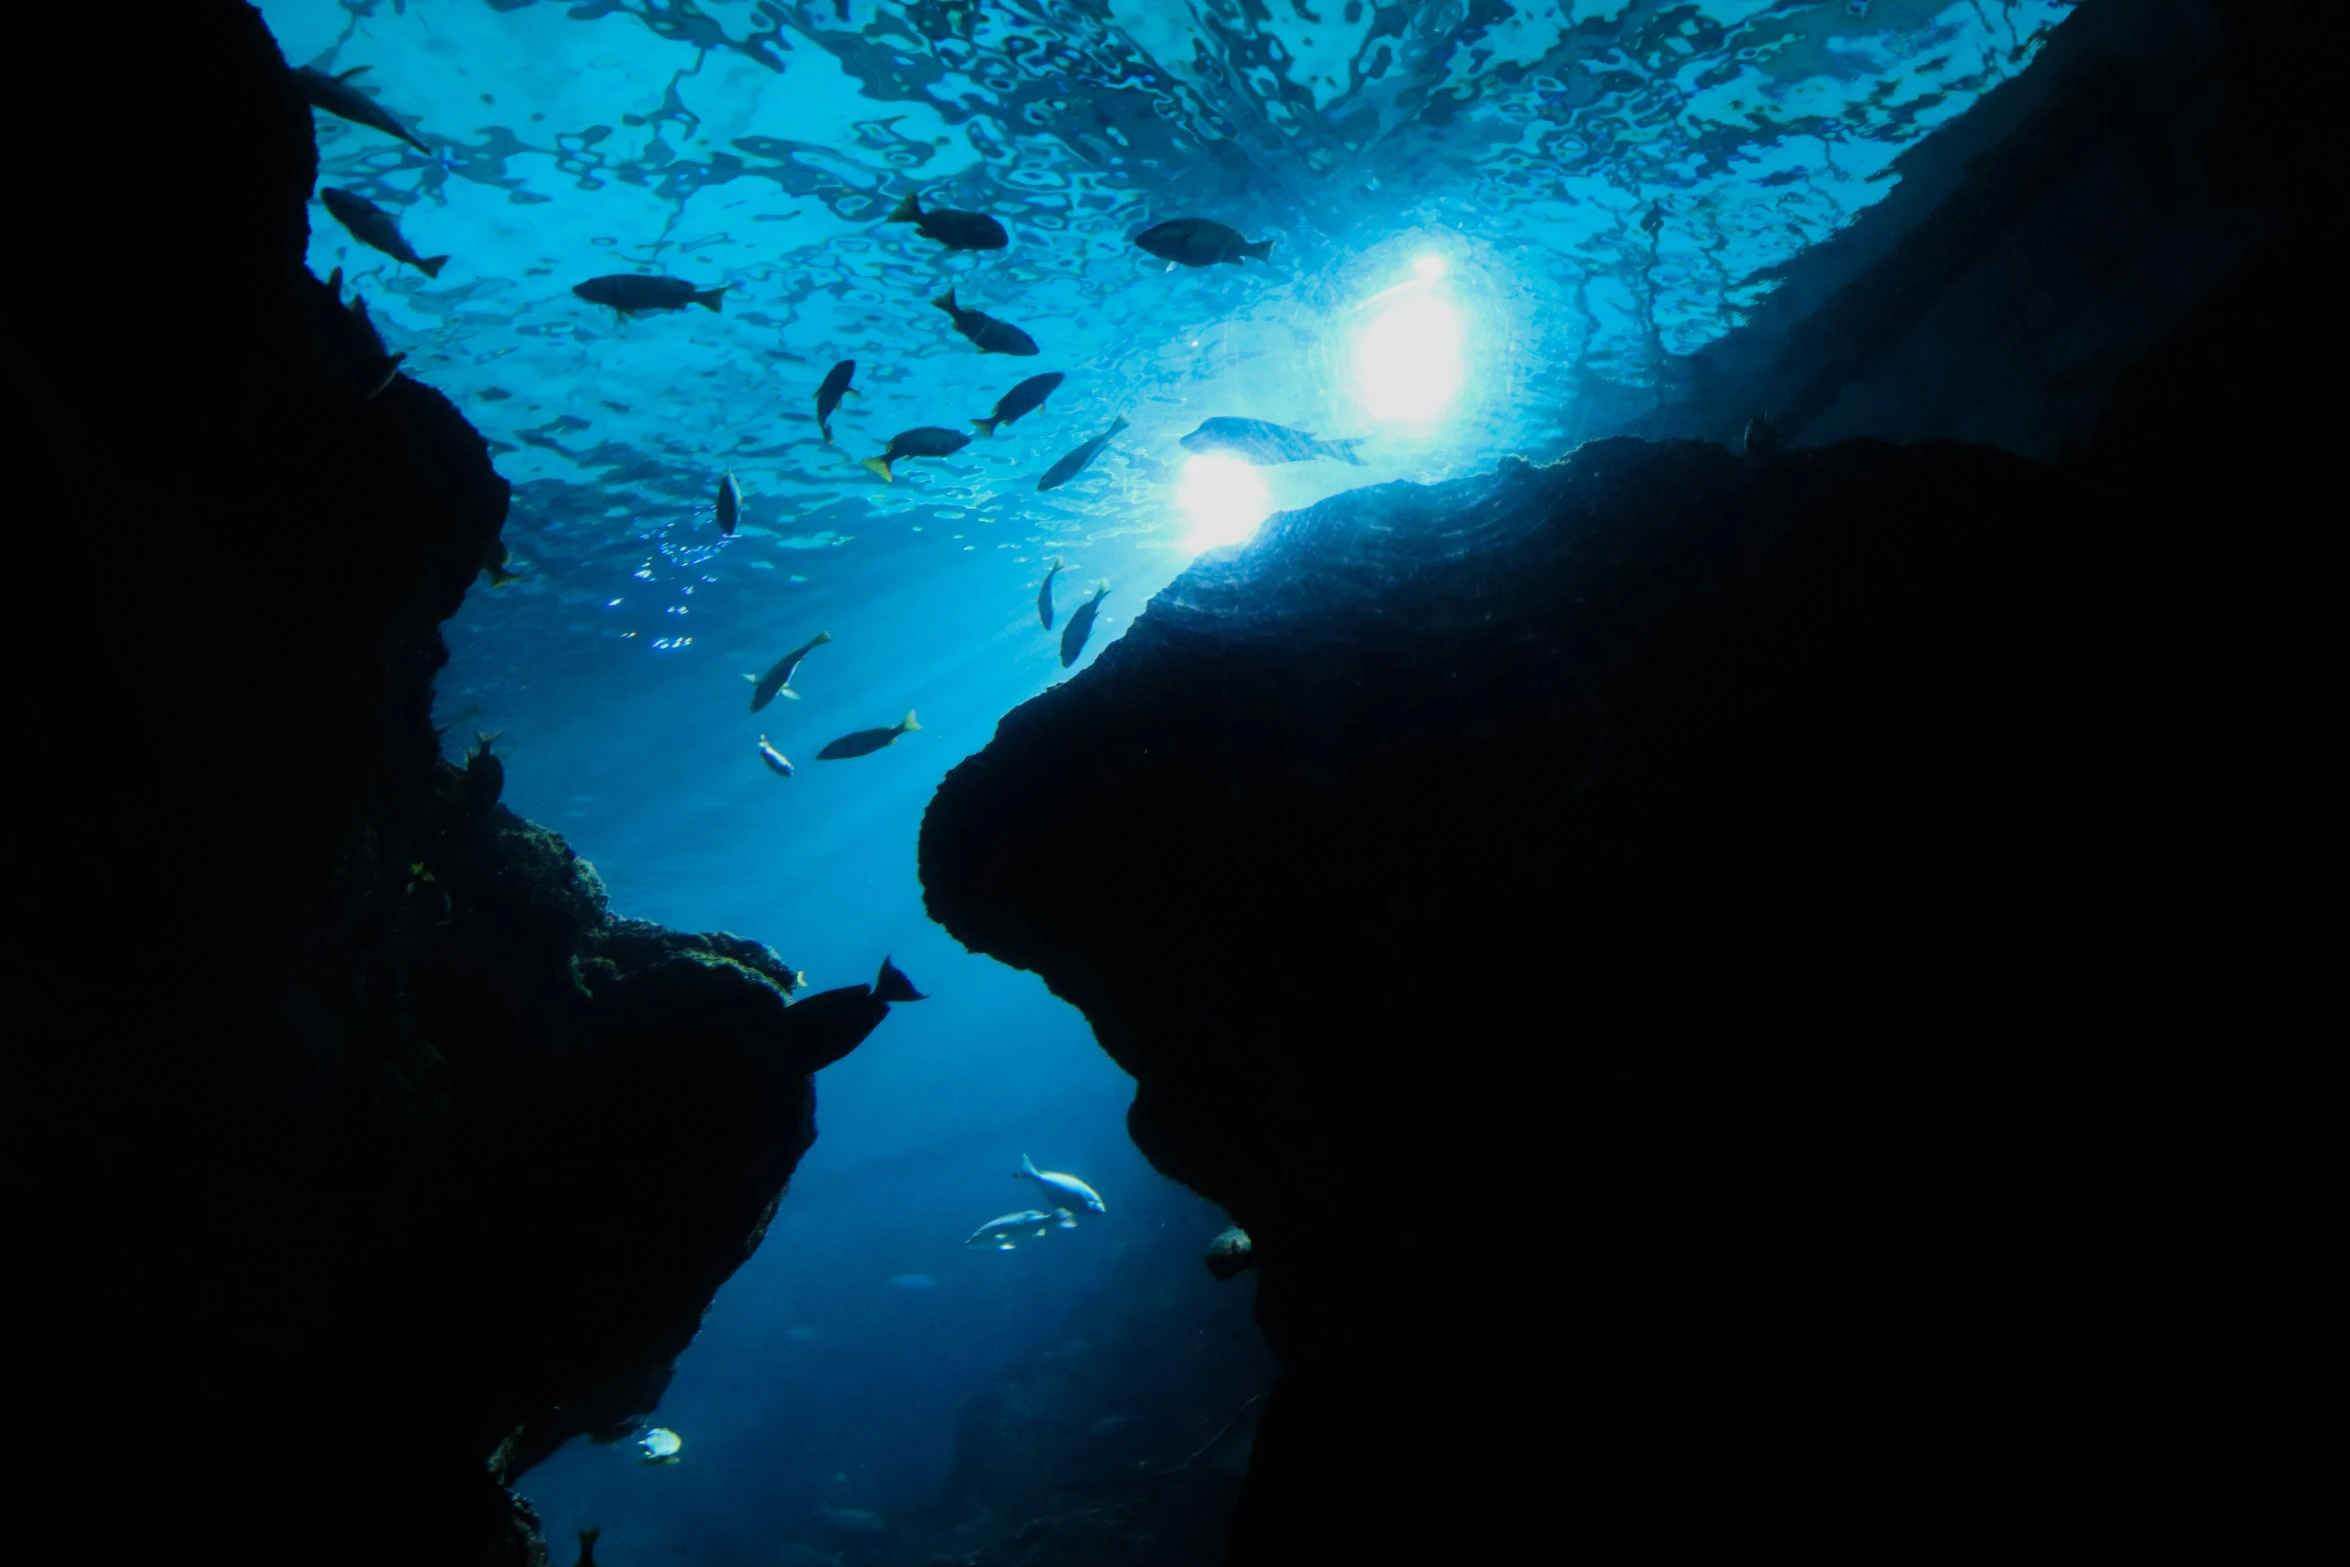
{"x":777,"y":763}
{"x":820,"y":1029}
{"x":729,"y":503}
{"x":867,"y":741}
{"x":377,"y":229}
{"x":923,"y":441}
{"x":484,"y":778}
{"x":1025,"y":398}
{"x":836,"y":386}
{"x":1044,"y":595}
{"x":955,"y":230}
{"x":1078,"y":461}
{"x":1762,"y":437}
{"x":632,"y":293}
{"x":1199,"y":242}
{"x":1255,"y":441}
{"x":338,"y":96}
{"x":1080,"y":625}
{"x":587,"y":1546}
{"x":777,"y":681}
{"x":493,"y":561}
{"x":991,"y":336}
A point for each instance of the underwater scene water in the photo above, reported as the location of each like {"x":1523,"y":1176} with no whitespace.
{"x":1471,"y":228}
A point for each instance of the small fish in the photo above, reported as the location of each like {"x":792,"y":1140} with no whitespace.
{"x":1080,"y":625}
{"x":854,"y":1520}
{"x":377,"y":229}
{"x":777,"y":763}
{"x":1068,"y":1191}
{"x":660,"y":1446}
{"x":777,"y":681}
{"x":729,"y":503}
{"x":338,"y":96}
{"x":494,"y":559}
{"x":867,"y":741}
{"x":955,"y":230}
{"x":914,"y":1281}
{"x":1762,"y":437}
{"x":1200,"y":242}
{"x":1007,"y":1229}
{"x":1264,"y":444}
{"x":1044,"y":595}
{"x":1027,"y":397}
{"x":587,"y":1546}
{"x":484,"y":778}
{"x":923,"y":441}
{"x":991,"y":336}
{"x":836,"y":386}
{"x":1231,"y":1254}
{"x":630,"y":293}
{"x":1078,"y":461}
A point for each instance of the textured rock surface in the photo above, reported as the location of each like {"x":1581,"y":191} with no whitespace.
{"x":364,"y":1156}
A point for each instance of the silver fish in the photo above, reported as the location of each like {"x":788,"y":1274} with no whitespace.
{"x":1069,"y":1193}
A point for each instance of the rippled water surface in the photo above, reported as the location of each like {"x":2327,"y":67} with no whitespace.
{"x":1495,"y":227}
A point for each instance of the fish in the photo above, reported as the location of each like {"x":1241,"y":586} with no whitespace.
{"x":955,"y":230}
{"x":1078,"y":461}
{"x":820,"y":1029}
{"x":777,"y":763}
{"x":854,"y":1520}
{"x":1044,"y":595}
{"x":630,"y":293}
{"x":777,"y":681}
{"x":484,"y":778}
{"x":1762,"y":437}
{"x":729,"y":503}
{"x":865,"y":742}
{"x":1068,"y":1191}
{"x":660,"y":1446}
{"x":1231,"y":1254}
{"x":991,"y":336}
{"x":1027,"y":397}
{"x":922,"y":441}
{"x":1264,"y":444}
{"x":1200,"y":242}
{"x":339,"y":97}
{"x":836,"y":386}
{"x":377,"y":229}
{"x":1080,"y":625}
{"x":493,"y":562}
{"x":587,"y":1546}
{"x":914,"y":1281}
{"x":1006,"y":1230}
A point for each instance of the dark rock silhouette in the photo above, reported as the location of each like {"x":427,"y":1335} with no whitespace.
{"x":364,"y":1158}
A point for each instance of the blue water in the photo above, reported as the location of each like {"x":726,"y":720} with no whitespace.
{"x":1496,"y":230}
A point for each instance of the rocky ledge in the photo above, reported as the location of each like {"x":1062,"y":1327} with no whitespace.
{"x":363,"y":1157}
{"x":1753,"y":1008}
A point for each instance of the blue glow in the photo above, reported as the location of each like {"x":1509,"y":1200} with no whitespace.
{"x":1225,"y":499}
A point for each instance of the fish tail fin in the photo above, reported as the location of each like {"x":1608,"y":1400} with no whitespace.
{"x":908,"y":209}
{"x":946,"y":302}
{"x":819,"y":639}
{"x":1117,"y":424}
{"x":710,"y":298}
{"x":1101,"y":589}
{"x":1262,"y":250}
{"x":827,"y":429}
{"x":984,"y":426}
{"x":907,"y":724}
{"x":1027,"y":1168}
{"x":1344,"y":451}
{"x":431,"y":266}
{"x":892,"y":985}
{"x":1056,"y":566}
{"x":499,"y":576}
{"x":880,"y":465}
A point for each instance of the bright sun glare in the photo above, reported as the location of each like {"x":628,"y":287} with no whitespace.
{"x":1407,"y":360}
{"x":1225,"y":499}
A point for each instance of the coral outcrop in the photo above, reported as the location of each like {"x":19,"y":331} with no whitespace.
{"x":364,"y":1157}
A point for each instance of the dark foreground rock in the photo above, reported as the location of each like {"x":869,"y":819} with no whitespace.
{"x":1751,"y":1009}
{"x":361,"y":1156}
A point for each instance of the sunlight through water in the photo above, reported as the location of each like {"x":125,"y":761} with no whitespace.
{"x":1224,"y":498}
{"x":1407,"y":358}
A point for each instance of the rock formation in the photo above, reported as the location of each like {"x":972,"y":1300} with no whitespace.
{"x":364,"y":1156}
{"x":1757,"y":1007}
